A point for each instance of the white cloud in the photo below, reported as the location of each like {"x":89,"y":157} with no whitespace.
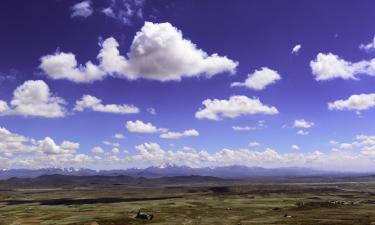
{"x":11,"y":143}
{"x":125,"y":11}
{"x":152,"y":111}
{"x":108,"y":12}
{"x":295,"y":147}
{"x":97,"y":150}
{"x":82,"y":9}
{"x":3,"y":107}
{"x":260,"y":79}
{"x":158,"y":52}
{"x":330,"y":66}
{"x":151,"y":154}
{"x":254,"y":144}
{"x":243,"y":128}
{"x":111,"y":61}
{"x":176,"y":135}
{"x":25,"y":152}
{"x":236,"y":105}
{"x":8,"y":77}
{"x":95,"y":104}
{"x":64,"y":66}
{"x":49,"y":147}
{"x":115,"y":151}
{"x":33,"y":98}
{"x":302,"y":132}
{"x":354,"y":102}
{"x":296,"y":49}
{"x":333,"y":142}
{"x":113,"y":144}
{"x":347,"y":146}
{"x":368,"y":47}
{"x":119,"y":136}
{"x":364,"y":144}
{"x":141,"y":127}
{"x":260,"y":125}
{"x":301,"y":123}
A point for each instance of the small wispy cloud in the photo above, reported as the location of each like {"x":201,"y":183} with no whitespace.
{"x":368,"y":47}
{"x":152,"y":111}
{"x":125,"y":11}
{"x":243,"y":128}
{"x":295,"y":147}
{"x":296,"y":49}
{"x":82,"y":9}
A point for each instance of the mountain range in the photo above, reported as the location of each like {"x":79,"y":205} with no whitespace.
{"x":227,"y":172}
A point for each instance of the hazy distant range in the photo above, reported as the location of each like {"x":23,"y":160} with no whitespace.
{"x":228,"y":172}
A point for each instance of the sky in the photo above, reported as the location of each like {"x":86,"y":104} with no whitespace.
{"x":116,"y":84}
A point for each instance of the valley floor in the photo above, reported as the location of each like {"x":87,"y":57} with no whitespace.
{"x":268,"y":203}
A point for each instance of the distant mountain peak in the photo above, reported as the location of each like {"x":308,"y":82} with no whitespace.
{"x":167,"y":165}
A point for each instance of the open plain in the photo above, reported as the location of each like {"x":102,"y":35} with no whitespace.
{"x":57,"y":199}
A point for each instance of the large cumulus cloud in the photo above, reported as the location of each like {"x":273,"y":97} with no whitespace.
{"x":158,"y":52}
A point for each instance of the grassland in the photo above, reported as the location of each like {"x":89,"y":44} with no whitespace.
{"x":234,"y":203}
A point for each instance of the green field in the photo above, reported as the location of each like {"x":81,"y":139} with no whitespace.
{"x":200,"y":204}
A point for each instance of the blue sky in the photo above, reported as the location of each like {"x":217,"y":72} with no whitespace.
{"x":284,"y":83}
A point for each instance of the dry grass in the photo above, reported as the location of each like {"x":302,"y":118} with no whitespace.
{"x":244,"y":204}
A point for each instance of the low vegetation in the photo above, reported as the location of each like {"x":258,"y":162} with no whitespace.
{"x":195,"y":203}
